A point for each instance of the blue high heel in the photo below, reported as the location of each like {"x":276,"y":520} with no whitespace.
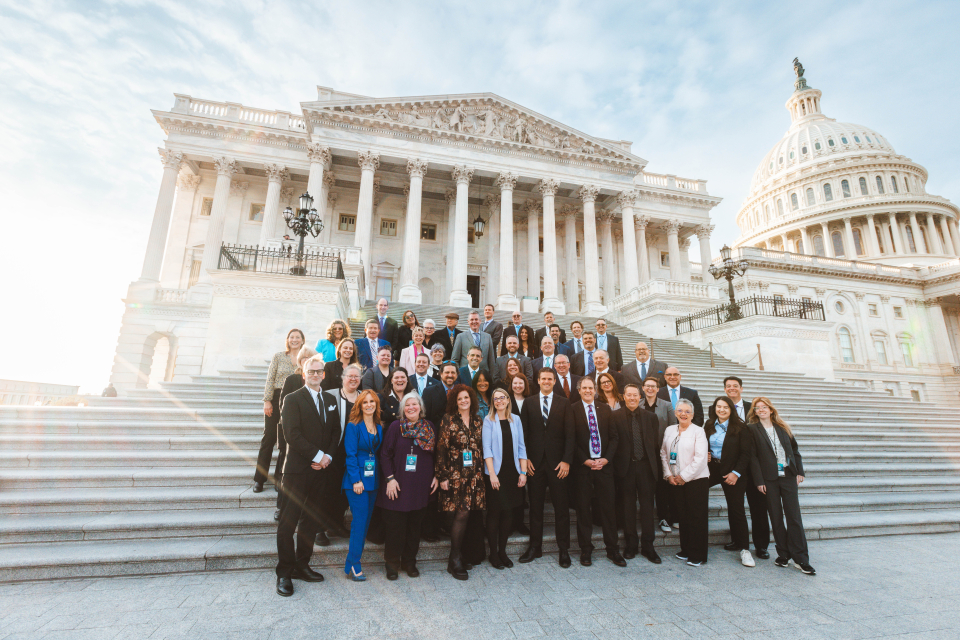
{"x":357,"y":577}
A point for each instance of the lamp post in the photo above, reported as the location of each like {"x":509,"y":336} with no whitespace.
{"x":730,"y":269}
{"x":303,"y":221}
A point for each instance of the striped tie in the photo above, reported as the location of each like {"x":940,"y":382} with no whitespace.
{"x":546,"y":409}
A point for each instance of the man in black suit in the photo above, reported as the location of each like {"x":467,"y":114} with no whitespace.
{"x":388,"y":326}
{"x":557,"y":333}
{"x":473,"y":367}
{"x":448,"y":335}
{"x":673,"y":392}
{"x":549,"y":320}
{"x":421,"y":378}
{"x":311,"y":427}
{"x":644,"y":366}
{"x":513,"y":329}
{"x":759,"y":524}
{"x":549,"y":443}
{"x":601,"y":360}
{"x":609,"y":343}
{"x":566,"y":381}
{"x":596,"y":440}
{"x":491,"y":326}
{"x":581,"y":363}
{"x":636,"y":470}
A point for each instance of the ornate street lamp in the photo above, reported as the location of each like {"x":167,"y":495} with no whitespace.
{"x":729,"y":269}
{"x":303,"y":221}
{"x":478,"y":226}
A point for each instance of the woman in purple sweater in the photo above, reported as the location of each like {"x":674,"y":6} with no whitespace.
{"x":407,"y":462}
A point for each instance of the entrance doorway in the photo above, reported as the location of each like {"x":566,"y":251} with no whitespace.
{"x":473,"y":288}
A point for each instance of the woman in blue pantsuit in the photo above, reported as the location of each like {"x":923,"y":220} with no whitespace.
{"x":361,"y":440}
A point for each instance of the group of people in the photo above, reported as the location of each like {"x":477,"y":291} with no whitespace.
{"x":423,"y":432}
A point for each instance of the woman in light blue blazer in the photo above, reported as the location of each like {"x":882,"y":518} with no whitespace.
{"x":502,"y":438}
{"x":361,"y":440}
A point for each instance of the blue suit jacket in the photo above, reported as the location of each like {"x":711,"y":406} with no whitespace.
{"x":363,"y":351}
{"x":465,"y":376}
{"x":357,"y":442}
{"x":431,"y":381}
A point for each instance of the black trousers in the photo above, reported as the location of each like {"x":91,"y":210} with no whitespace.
{"x":402,"y":533}
{"x":559,"y":496}
{"x":333,"y":500}
{"x":301,"y":515}
{"x":637,"y":485}
{"x":268,"y":442}
{"x":666,"y":502}
{"x":758,"y":515}
{"x":692,"y":506}
{"x":596,"y":486}
{"x":783,"y":501}
{"x":736,"y":514}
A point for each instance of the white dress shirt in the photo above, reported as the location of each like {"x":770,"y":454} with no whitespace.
{"x":316,"y":400}
{"x":587,"y":408}
{"x":740,"y":410}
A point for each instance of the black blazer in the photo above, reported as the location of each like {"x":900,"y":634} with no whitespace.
{"x":617,"y":377}
{"x":332,"y":375}
{"x":574,"y":392}
{"x":495,"y":329}
{"x":631,"y":370}
{"x":291,"y":383}
{"x":578,"y":364}
{"x":542,"y":332}
{"x":613,"y":348}
{"x":389,"y":408}
{"x":649,"y":429}
{"x":609,"y":435}
{"x":404,"y":339}
{"x":443,"y":338}
{"x":548,"y":443}
{"x":307,"y":431}
{"x":390,"y":331}
{"x":764,"y":463}
{"x":510,"y":330}
{"x":689,"y":394}
{"x":738,"y":449}
{"x":435,"y":403}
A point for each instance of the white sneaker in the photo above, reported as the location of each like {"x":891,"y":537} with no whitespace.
{"x":665,"y":527}
{"x":746,"y":558}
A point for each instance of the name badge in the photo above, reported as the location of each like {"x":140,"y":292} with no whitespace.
{"x":780,"y":469}
{"x":673,"y":458}
{"x":411,"y":462}
{"x":468,"y":458}
{"x":369,"y":466}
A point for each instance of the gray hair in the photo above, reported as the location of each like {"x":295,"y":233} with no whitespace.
{"x":353,"y":366}
{"x":436,"y":347}
{"x":685,"y":403}
{"x":413,"y":395}
{"x":431,"y":322}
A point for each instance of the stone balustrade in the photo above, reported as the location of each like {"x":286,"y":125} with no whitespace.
{"x":238,"y":113}
{"x":770,"y":255}
{"x":170,"y":296}
{"x":669,"y":181}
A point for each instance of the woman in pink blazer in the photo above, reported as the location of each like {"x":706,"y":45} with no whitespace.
{"x":408,"y":356}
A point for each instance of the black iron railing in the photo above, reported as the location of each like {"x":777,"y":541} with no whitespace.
{"x":285,"y":261}
{"x":752,"y":306}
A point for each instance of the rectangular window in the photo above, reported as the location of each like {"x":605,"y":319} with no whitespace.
{"x":206,"y":206}
{"x":873,"y":309}
{"x":347,"y":222}
{"x":881,"y":351}
{"x":915,"y":395}
{"x":388,"y":227}
{"x":471,"y":236}
{"x":665,"y":259}
{"x":907,"y":353}
{"x":541,"y":245}
{"x":778,"y":297}
{"x":428,"y":232}
{"x":578,"y":248}
{"x":807,"y":300}
{"x":256,"y":212}
{"x":194,"y":273}
{"x":898,"y":312}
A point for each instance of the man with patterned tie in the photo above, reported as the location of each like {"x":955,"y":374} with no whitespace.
{"x":388,"y":326}
{"x":673,"y":392}
{"x":368,"y":347}
{"x":596,"y":439}
{"x":582,"y":363}
{"x":644,"y":366}
{"x":477,"y":338}
{"x":576,"y":343}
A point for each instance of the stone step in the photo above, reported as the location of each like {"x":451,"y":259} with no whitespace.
{"x":148,"y":458}
{"x":58,"y":442}
{"x":120,"y":477}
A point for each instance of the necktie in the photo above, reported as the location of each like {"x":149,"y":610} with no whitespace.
{"x":546,"y":409}
{"x":740,"y":411}
{"x":590,"y":368}
{"x":420,"y":383}
{"x":577,"y":347}
{"x":373,"y":350}
{"x":673,"y":397}
{"x":643,"y":372}
{"x":476,"y":339}
{"x":566,"y":386}
{"x":594,"y":431}
{"x":546,"y":361}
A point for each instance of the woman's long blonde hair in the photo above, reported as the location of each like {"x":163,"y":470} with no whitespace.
{"x":774,"y":414}
{"x":304,"y":353}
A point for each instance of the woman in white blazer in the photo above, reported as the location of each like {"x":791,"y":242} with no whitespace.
{"x":684,"y":457}
{"x":505,"y":461}
{"x":408,"y":355}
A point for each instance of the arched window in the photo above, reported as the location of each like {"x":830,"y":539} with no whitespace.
{"x":816,"y":145}
{"x":845,"y":188}
{"x":911,"y":243}
{"x":846,"y":345}
{"x":863,"y":186}
{"x":818,"y":246}
{"x":893,"y":184}
{"x":791,"y":154}
{"x":780,"y":206}
{"x":907,"y":350}
{"x":803,"y":150}
{"x":867,"y":137}
{"x":811,"y":199}
{"x":800,"y":246}
{"x":881,"y":350}
{"x":856,"y":139}
{"x":830,"y":141}
{"x":794,"y":202}
{"x":879,"y":184}
{"x":843,"y":139}
{"x":827,"y":192}
{"x":906,"y":184}
{"x":858,"y":241}
{"x":837,"y":240}
{"x":880,"y":239}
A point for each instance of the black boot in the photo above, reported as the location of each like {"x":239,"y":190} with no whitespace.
{"x":455,"y":568}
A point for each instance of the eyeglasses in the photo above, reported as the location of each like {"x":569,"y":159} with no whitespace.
{"x":314,"y":372}
{"x":501,"y":399}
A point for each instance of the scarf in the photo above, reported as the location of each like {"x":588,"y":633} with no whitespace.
{"x":420,"y":432}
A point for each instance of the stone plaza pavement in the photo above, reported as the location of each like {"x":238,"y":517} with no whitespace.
{"x":890,"y":587}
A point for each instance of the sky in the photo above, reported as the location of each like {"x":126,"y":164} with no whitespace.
{"x":699,"y":88}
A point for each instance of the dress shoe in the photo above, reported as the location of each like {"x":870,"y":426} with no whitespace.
{"x":306,"y":574}
{"x":276,"y":515}
{"x":665,"y":526}
{"x":731,"y":547}
{"x":357,"y":577}
{"x":392,"y":573}
{"x":258,"y":487}
{"x":585,"y":559}
{"x":507,"y":562}
{"x":630,"y":554}
{"x":531,"y":554}
{"x":455,"y":568}
{"x":763,"y":554}
{"x":564,"y":559}
{"x":652,"y":556}
{"x":495,"y":562}
{"x":617,"y":559}
{"x":412,"y":571}
{"x":322,"y":540}
{"x":285,"y":587}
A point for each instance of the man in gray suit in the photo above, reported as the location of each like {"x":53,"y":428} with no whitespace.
{"x":643,"y":367}
{"x":491,"y":326}
{"x":475,"y":337}
{"x":526,"y":366}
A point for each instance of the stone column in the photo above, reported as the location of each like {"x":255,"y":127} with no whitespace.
{"x":874,"y":247}
{"x":643,"y":259}
{"x":653,"y":254}
{"x":955,"y":228}
{"x":551,"y":275}
{"x":410,"y":269}
{"x":317,"y":183}
{"x":175,"y":252}
{"x":784,"y":243}
{"x":369,"y":162}
{"x":899,"y":242}
{"x":608,"y":251}
{"x":450,"y":195}
{"x":533,"y":250}
{"x":276,"y":174}
{"x":331,"y":221}
{"x":703,"y":235}
{"x":922,"y":247}
{"x":592,"y":304}
{"x":492,"y":203}
{"x":940,"y":338}
{"x":507,"y":299}
{"x":672,"y":227}
{"x":572,"y":293}
{"x":933,"y":244}
{"x":226,"y":167}
{"x":851,"y":250}
{"x":947,"y":239}
{"x":805,"y":238}
{"x":627,"y":200}
{"x":827,"y":240}
{"x":458,"y":294}
{"x":157,"y":242}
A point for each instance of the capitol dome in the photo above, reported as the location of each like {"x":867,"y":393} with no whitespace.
{"x":837,"y":189}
